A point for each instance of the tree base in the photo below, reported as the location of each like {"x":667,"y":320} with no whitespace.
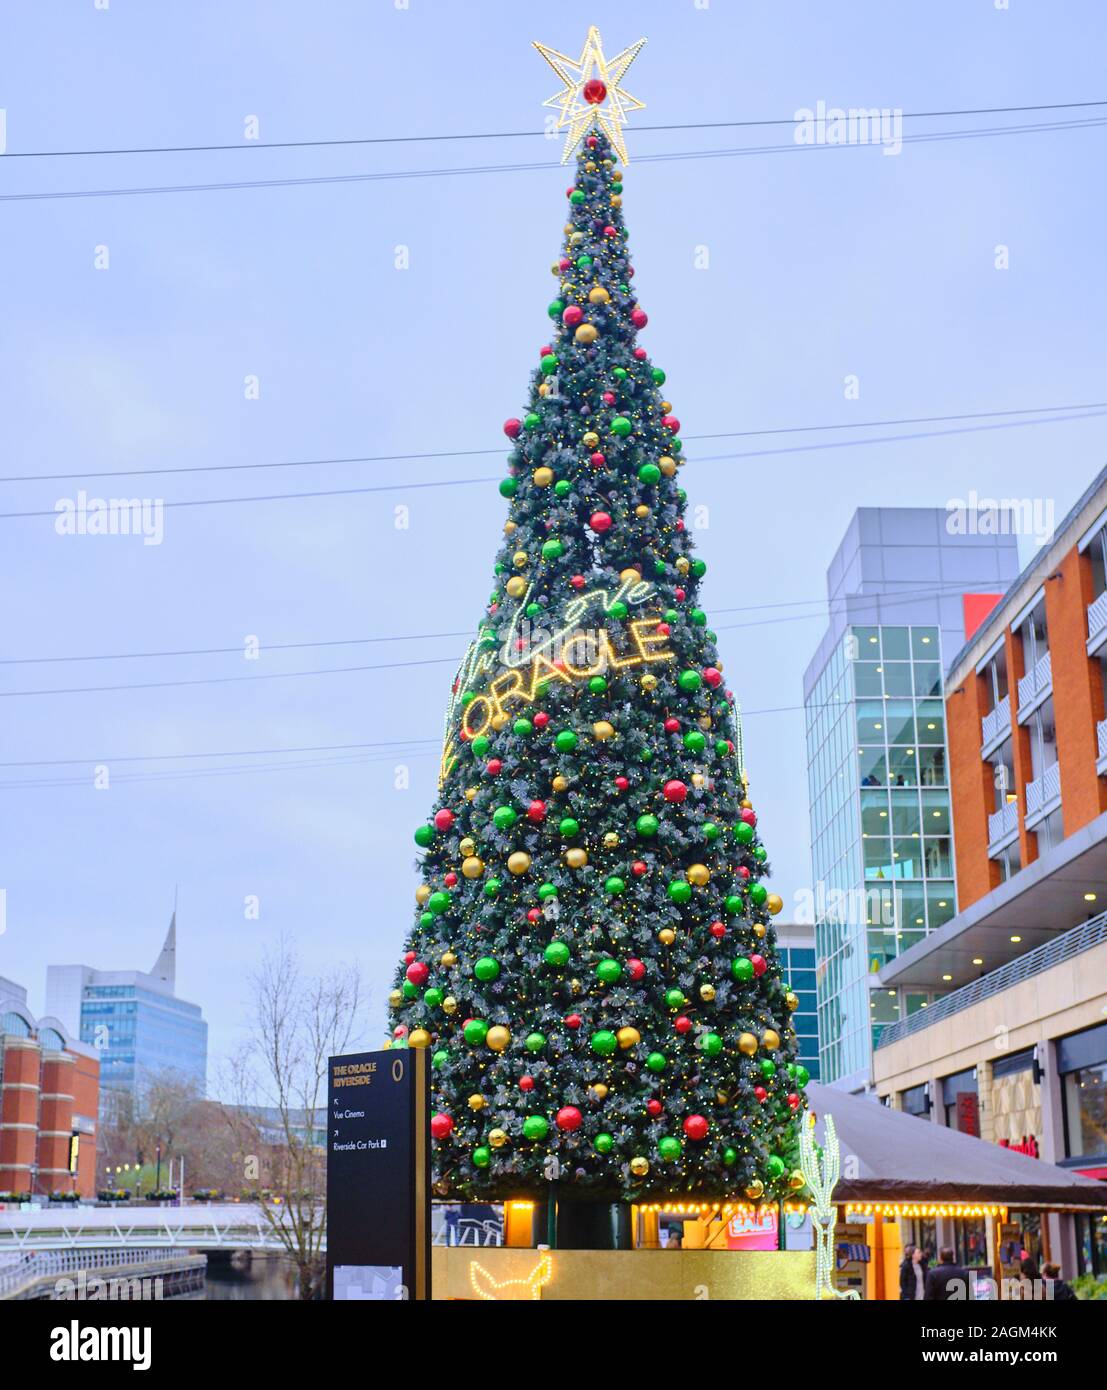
{"x":584,"y":1225}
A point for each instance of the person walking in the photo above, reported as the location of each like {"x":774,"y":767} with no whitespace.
{"x":912,"y":1275}
{"x":947,"y":1280}
{"x":1056,"y":1287}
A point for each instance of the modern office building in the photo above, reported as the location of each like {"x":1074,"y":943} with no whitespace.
{"x":795,"y":945}
{"x":49,"y":1096}
{"x":904,"y":586}
{"x":134,"y":1019}
{"x":1016,"y":1049}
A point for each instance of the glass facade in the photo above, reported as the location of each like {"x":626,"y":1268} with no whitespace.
{"x":881,"y":829}
{"x":140,"y":1034}
{"x":798,"y":965}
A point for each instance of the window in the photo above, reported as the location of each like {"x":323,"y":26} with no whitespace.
{"x":994,"y":676}
{"x":1082,"y":1061}
{"x":959,"y":1096}
{"x":1034,"y":637}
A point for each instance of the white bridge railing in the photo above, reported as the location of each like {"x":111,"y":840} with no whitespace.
{"x":223,"y":1226}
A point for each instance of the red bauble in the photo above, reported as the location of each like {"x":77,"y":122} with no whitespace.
{"x":571,"y":315}
{"x":695,"y":1126}
{"x":639,"y":867}
{"x":622,"y":783}
{"x":441,"y":1125}
{"x":761,"y":1094}
{"x":759,"y":963}
{"x":680,"y":595}
{"x":600,"y":522}
{"x":573,"y":1021}
{"x":640,"y":353}
{"x":679,"y":526}
{"x":541,"y":719}
{"x":443,"y":819}
{"x":671,"y":423}
{"x":598,"y":460}
{"x":493,"y":767}
{"x":545,"y":351}
{"x":512,"y":428}
{"x":594,"y":91}
{"x":578,"y":581}
{"x":409,"y":956}
{"x":591,"y":142}
{"x":635,"y":969}
{"x":450,"y":880}
{"x":749,"y":815}
{"x":653,"y":1107}
{"x":564,"y":263}
{"x":639,"y":318}
{"x":675,"y":791}
{"x":743,"y":872}
{"x":682,"y":1024}
{"x":526,"y":1083}
{"x":609,"y":398}
{"x":417,"y":972}
{"x":794,"y":1101}
{"x":536,"y":812}
{"x":718,"y":930}
{"x":610,"y":231}
{"x":712,"y":675}
{"x":534,"y":914}
{"x":569,"y":1118}
{"x":672,"y":726}
{"x":400,"y":1030}
{"x":663,"y":629}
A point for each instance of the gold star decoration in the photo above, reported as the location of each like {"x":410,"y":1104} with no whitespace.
{"x":593,"y":92}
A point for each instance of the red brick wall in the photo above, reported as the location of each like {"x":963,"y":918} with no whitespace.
{"x":86,"y":1102}
{"x":1077,"y":692}
{"x":972,"y":793}
{"x":18,"y":1113}
{"x":55,"y":1122}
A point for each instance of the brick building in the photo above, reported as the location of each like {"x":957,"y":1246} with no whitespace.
{"x":49,"y":1097}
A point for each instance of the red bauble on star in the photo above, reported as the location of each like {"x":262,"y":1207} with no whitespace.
{"x":594,"y":92}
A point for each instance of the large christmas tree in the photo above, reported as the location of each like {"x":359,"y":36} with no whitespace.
{"x":592,"y":964}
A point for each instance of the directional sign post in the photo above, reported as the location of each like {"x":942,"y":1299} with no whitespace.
{"x":378,"y":1176}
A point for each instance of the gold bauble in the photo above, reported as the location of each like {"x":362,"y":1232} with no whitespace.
{"x":468,"y":846}
{"x":587,"y":333}
{"x":599,"y":1090}
{"x":796,"y":1180}
{"x":419,"y":1037}
{"x":705,"y":721}
{"x":630,"y":576}
{"x":759,"y":929}
{"x":604,"y":730}
{"x":683,"y":564}
{"x":641,"y":511}
{"x":667,"y":466}
{"x":472,"y":867}
{"x":575,"y":986}
{"x":543,"y":388}
{"x":510,"y":527}
{"x":476,"y":1102}
{"x":501,"y":720}
{"x":449,"y":1004}
{"x":575,"y":238}
{"x":774,"y":902}
{"x":543,"y":477}
{"x":616,"y":174}
{"x":576,"y":858}
{"x":698,"y":779}
{"x":471,"y":793}
{"x":497,"y":1138}
{"x":616,"y":200}
{"x":516,"y":586}
{"x":395,"y":998}
{"x":519,"y":559}
{"x":649,"y":682}
{"x":598,"y":295}
{"x":755,"y":1190}
{"x":770,"y":1039}
{"x":628,"y":1037}
{"x":560,"y":783}
{"x":639,"y":1167}
{"x":498,"y":1038}
{"x":591,"y":166}
{"x":707,"y":993}
{"x":746,"y":804}
{"x":422,"y":893}
{"x":721,"y":1098}
{"x":792,"y":1000}
{"x":666,"y":936}
{"x":699,"y":874}
{"x":747,"y":1043}
{"x":519,"y":862}
{"x":590,"y":439}
{"x":666,"y":406}
{"x":447,"y":958}
{"x":610,"y":840}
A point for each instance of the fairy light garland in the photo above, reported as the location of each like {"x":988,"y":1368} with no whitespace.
{"x":821,"y":1169}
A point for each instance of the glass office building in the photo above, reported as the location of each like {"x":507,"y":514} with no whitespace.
{"x":881,"y":830}
{"x":795,"y":948}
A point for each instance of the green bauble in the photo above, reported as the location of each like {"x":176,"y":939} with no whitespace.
{"x":568,"y":827}
{"x":531,"y":420}
{"x":603,"y":1143}
{"x":619,"y":609}
{"x":768,"y":1068}
{"x":649,"y":473}
{"x":758,"y":894}
{"x":680,"y":891}
{"x":555,"y":308}
{"x":548,"y":364}
{"x":482,"y":1157}
{"x":504,"y":817}
{"x":689,"y":681}
{"x":492,"y":887}
{"x":557,"y":953}
{"x":480,"y":745}
{"x":711,"y":1044}
{"x":487,"y":969}
{"x":674,"y":998}
{"x":742,"y":968}
{"x":475,"y":1032}
{"x":427,"y":919}
{"x":647,"y":826}
{"x":614,"y":885}
{"x":561,"y":489}
{"x":440,"y":1058}
{"x":535,"y":1127}
{"x":566,"y":741}
{"x":735,"y":905}
{"x":761,"y":854}
{"x":699,"y":568}
{"x":657,"y":1061}
{"x":710,"y":831}
{"x":535,"y":1042}
{"x":803,"y":1076}
{"x":658,"y":376}
{"x":608,"y":971}
{"x":694,"y":741}
{"x":597,"y":685}
{"x":509,"y":487}
{"x":604,"y":1042}
{"x":743,"y":833}
{"x":410,"y":991}
{"x":621,"y":426}
{"x":424,"y":836}
{"x":552,"y":549}
{"x":730,"y":1157}
{"x":548,"y":890}
{"x":775,"y":1167}
{"x":433,"y":997}
{"x":669,"y":1148}
{"x":577,"y":196}
{"x":522,"y":728}
{"x":438,"y":903}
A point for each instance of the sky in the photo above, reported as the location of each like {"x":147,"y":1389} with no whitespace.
{"x":398,"y":313}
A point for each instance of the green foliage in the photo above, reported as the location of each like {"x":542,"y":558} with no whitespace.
{"x":593,"y":836}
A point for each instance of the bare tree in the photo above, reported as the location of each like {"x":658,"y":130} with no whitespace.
{"x":279,"y":1082}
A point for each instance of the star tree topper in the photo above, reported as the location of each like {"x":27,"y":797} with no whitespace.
{"x":593,"y":94}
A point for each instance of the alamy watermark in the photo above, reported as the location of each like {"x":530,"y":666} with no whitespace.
{"x":1007,"y":516}
{"x":855,"y":125}
{"x":114,"y":516}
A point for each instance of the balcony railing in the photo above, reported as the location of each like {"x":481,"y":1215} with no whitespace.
{"x":1002,"y":824}
{"x":1091,"y":933}
{"x":1097,"y":621}
{"x":1043,"y":794}
{"x":1036,"y":684}
{"x":1101,"y":741}
{"x":996,"y":724}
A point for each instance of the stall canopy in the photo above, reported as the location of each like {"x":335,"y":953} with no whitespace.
{"x":889,"y":1156}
